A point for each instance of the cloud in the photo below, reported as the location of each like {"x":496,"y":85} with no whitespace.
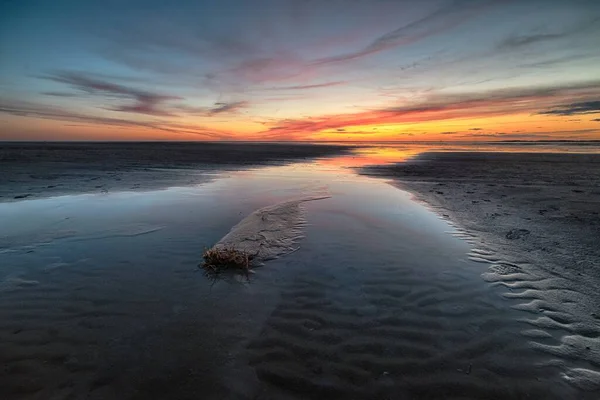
{"x":217,"y":108}
{"x":445,"y":18}
{"x":141,"y":101}
{"x":359,"y":133}
{"x":586,"y":107}
{"x":59,"y":94}
{"x":448,"y":133}
{"x":272,"y":41}
{"x":144,"y":102}
{"x":515,"y":42}
{"x":476,"y":129}
{"x":307,"y":87}
{"x":278,"y":67}
{"x":438,"y":107}
{"x":518,"y":41}
{"x":222,"y":107}
{"x":496,"y":134}
{"x":596,"y":120}
{"x":25,"y":109}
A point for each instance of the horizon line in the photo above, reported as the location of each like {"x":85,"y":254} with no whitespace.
{"x":308,"y":141}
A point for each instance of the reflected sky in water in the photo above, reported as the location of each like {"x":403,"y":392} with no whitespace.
{"x":240,"y":192}
{"x":204,"y":213}
{"x":387,"y":153}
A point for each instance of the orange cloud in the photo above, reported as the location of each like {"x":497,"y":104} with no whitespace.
{"x":442,"y":108}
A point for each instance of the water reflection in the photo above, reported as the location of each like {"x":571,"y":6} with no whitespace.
{"x":378,"y":154}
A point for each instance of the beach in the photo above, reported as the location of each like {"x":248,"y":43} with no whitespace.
{"x":539,"y":212}
{"x":373,"y":295}
{"x":35,"y":169}
{"x":545,"y":206}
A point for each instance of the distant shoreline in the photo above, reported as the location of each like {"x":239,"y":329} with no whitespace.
{"x":37,"y":170}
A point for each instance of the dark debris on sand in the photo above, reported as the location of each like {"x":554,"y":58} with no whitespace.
{"x":220,"y":261}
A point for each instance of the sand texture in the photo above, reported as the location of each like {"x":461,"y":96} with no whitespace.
{"x":102,"y":297}
{"x":535,"y":218}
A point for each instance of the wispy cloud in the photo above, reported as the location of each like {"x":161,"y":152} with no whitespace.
{"x":283,"y":64}
{"x":144,"y":102}
{"x":586,"y":107}
{"x":223,"y":107}
{"x":59,"y":94}
{"x":259,"y":70}
{"x":494,"y":134}
{"x":308,"y":87}
{"x":356,"y":132}
{"x":141,"y":101}
{"x":218,"y":108}
{"x":24,"y":109}
{"x":447,"y":17}
{"x":438,"y":107}
{"x":516,"y":41}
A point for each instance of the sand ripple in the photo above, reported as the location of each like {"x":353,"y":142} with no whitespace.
{"x":562,"y":317}
{"x":397,"y":333}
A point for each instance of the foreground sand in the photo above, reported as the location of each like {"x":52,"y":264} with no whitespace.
{"x":34,"y":170}
{"x":540,"y":214}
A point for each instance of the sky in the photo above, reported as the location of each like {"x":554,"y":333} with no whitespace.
{"x":300,"y":70}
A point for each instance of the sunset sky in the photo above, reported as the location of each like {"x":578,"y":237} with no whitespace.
{"x":310,"y":70}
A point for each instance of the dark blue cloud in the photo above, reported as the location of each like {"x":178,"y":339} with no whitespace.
{"x":223,"y":107}
{"x":20,"y":108}
{"x":514,"y":42}
{"x":59,"y":94}
{"x":586,"y":107}
{"x":144,"y":102}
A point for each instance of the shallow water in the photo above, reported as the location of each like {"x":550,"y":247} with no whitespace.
{"x":101,"y":298}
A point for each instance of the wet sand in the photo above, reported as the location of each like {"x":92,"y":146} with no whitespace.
{"x":34,"y":170}
{"x":101,"y":298}
{"x":538,"y":216}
